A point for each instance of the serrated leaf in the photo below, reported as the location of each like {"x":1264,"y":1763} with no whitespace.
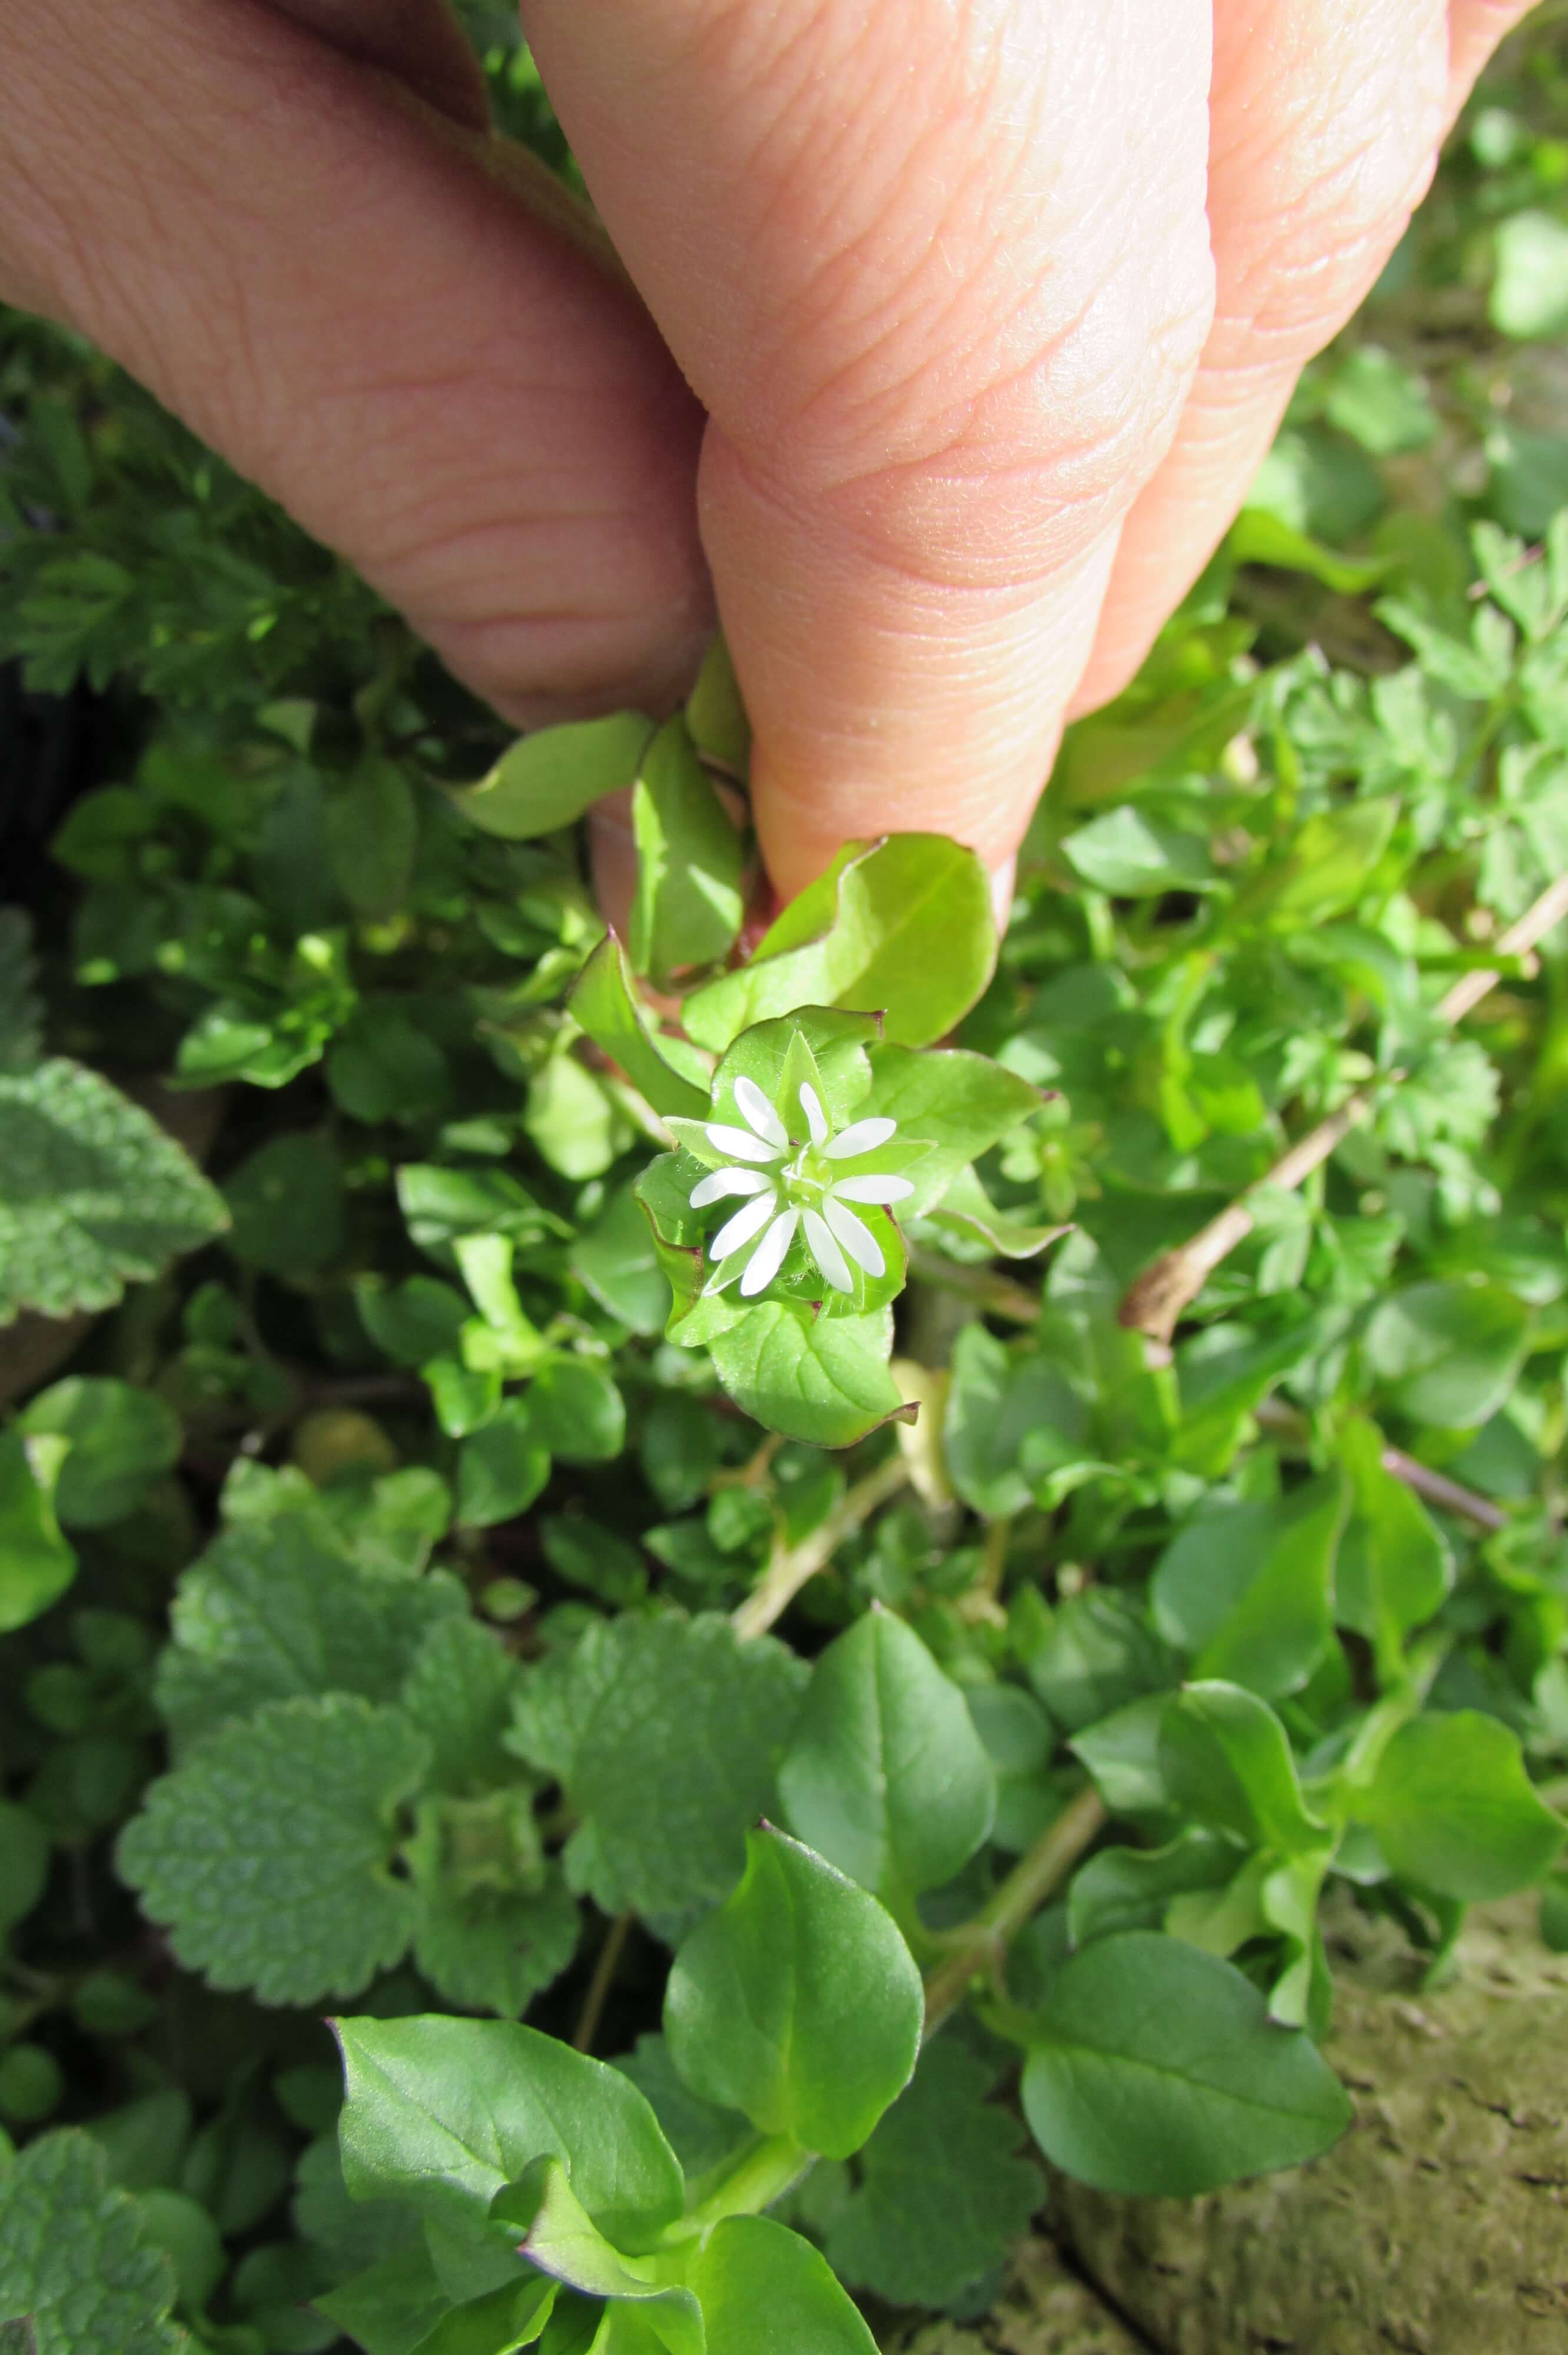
{"x":78,"y":2272}
{"x":798,"y":2002}
{"x":459,"y":1692}
{"x":665,"y":1735}
{"x":267,"y":1852}
{"x":93,"y":1194}
{"x":885,"y":1774}
{"x":902,"y":926}
{"x":446,"y":2113}
{"x":495,"y":1950}
{"x":943,"y":2193}
{"x":1157,"y":2070}
{"x":273,"y":1610}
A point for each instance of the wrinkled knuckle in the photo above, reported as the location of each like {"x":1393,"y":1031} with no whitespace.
{"x":1031,"y":450}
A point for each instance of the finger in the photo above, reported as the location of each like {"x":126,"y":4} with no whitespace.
{"x":940,"y":277}
{"x":420,"y":42}
{"x":1326,"y":119}
{"x":343,"y":292}
{"x":1475,"y":28}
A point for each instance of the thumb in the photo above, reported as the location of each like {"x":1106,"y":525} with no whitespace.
{"x":940,"y":277}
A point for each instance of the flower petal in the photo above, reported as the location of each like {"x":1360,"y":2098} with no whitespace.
{"x":855,"y":1236}
{"x":737,"y":1232}
{"x":867,"y":1190}
{"x":816,"y":1118}
{"x":725,"y":1182}
{"x":769,"y":1257}
{"x":826,"y":1254}
{"x":758,"y":1113}
{"x":741,"y":1143}
{"x":860,"y":1136}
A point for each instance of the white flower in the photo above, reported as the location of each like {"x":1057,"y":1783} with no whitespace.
{"x":789,"y":1182}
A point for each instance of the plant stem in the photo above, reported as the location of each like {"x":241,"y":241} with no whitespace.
{"x":603,"y":1978}
{"x":1436,"y":1487}
{"x":792,"y":1566}
{"x":1157,"y":1299}
{"x":1020,"y":1895}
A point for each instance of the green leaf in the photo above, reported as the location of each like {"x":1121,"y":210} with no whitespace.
{"x":957,"y":1104}
{"x":24,"y":1863}
{"x":605,"y":1001}
{"x":285,"y":1203}
{"x":617,"y":1261}
{"x":1247,"y":1588}
{"x":823,"y":1380}
{"x":1131,"y":855}
{"x":688,"y":904}
{"x":93,"y":1195}
{"x":21,"y":1011}
{"x":715,"y":713}
{"x":414,"y":1321}
{"x":1529,"y":291}
{"x":79,"y":2274}
{"x":1157,"y":2071}
{"x":268,"y":1852}
{"x":36,"y":1564}
{"x":1455,"y":1811}
{"x":1326,"y":868}
{"x":1394,"y":1567}
{"x":561,"y":2239}
{"x":1099,"y":1654}
{"x":942,"y":2194}
{"x":548,"y":779}
{"x":575,"y":1412}
{"x":797,"y":2003}
{"x":501,"y":1467}
{"x":1227,"y":1761}
{"x":902,"y":927}
{"x":1001,"y":1404}
{"x":373,"y":832}
{"x":445,"y":2113}
{"x":1132,"y":1888}
{"x":118,"y":1440}
{"x":390,"y":2308}
{"x":1448,"y":1353}
{"x":703,"y":2137}
{"x":273,"y":1610}
{"x":887,"y":1776}
{"x":665,"y":1735}
{"x":763,"y":2291}
{"x":1258,"y":535}
{"x":966,"y":1211}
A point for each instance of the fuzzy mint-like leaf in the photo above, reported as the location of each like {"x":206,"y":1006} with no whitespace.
{"x":272,"y":1611}
{"x":93,"y":1195}
{"x":459,"y":1692}
{"x":267,"y":1852}
{"x":665,"y":1735}
{"x":78,"y":2270}
{"x":943,"y":2193}
{"x":494,"y":1951}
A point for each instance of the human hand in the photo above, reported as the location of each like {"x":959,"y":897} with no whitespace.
{"x":992,"y":307}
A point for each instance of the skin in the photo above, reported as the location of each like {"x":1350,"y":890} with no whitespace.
{"x":937,"y":341}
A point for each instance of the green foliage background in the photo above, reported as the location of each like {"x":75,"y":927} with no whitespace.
{"x":381,"y":1587}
